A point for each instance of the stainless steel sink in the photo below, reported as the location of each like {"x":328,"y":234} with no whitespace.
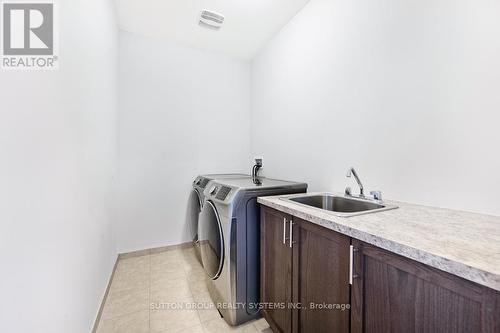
{"x":341,"y":205}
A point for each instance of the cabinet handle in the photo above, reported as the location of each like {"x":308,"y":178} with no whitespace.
{"x":352,"y":276}
{"x":291,"y":234}
{"x":284,"y":230}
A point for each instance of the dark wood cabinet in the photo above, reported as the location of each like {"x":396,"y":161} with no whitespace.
{"x":395,"y":294}
{"x":321,"y":279}
{"x":276,"y":270}
{"x":314,"y":268}
{"x":389,"y":293}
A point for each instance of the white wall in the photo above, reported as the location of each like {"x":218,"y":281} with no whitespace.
{"x":57,"y":152}
{"x":406,"y":91}
{"x":182,"y":112}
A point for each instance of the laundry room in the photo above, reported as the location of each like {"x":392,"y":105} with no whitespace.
{"x":305,"y":166}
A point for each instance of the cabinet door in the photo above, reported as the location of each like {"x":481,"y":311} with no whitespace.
{"x":276,"y":269}
{"x":321,"y":277}
{"x":395,"y":294}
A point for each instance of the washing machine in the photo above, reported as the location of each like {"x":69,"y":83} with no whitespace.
{"x":229,"y":241}
{"x":196,"y":199}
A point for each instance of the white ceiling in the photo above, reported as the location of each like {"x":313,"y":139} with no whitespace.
{"x":248,"y":24}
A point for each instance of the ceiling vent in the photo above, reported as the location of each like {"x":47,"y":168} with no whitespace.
{"x":211,"y":20}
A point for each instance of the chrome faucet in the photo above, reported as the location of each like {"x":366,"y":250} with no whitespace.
{"x":352,"y":172}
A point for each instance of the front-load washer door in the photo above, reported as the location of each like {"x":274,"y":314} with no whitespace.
{"x":194,"y":209}
{"x":211,"y":240}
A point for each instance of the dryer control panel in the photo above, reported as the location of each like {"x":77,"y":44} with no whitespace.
{"x":201,"y":182}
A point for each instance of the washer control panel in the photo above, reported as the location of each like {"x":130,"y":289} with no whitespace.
{"x":223,"y":192}
{"x":213,"y":190}
{"x":220,"y":192}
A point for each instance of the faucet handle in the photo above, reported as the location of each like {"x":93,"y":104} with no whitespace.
{"x":377,"y":195}
{"x":348,"y":191}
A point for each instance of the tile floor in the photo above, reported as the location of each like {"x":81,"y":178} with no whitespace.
{"x":141,"y":284}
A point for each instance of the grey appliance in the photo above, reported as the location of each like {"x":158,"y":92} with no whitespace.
{"x":229,"y":239}
{"x":196,"y":199}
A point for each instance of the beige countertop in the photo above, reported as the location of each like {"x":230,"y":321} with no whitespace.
{"x":461,"y":243}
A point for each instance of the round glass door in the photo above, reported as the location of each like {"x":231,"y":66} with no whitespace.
{"x":211,"y":240}
{"x":194,"y":209}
